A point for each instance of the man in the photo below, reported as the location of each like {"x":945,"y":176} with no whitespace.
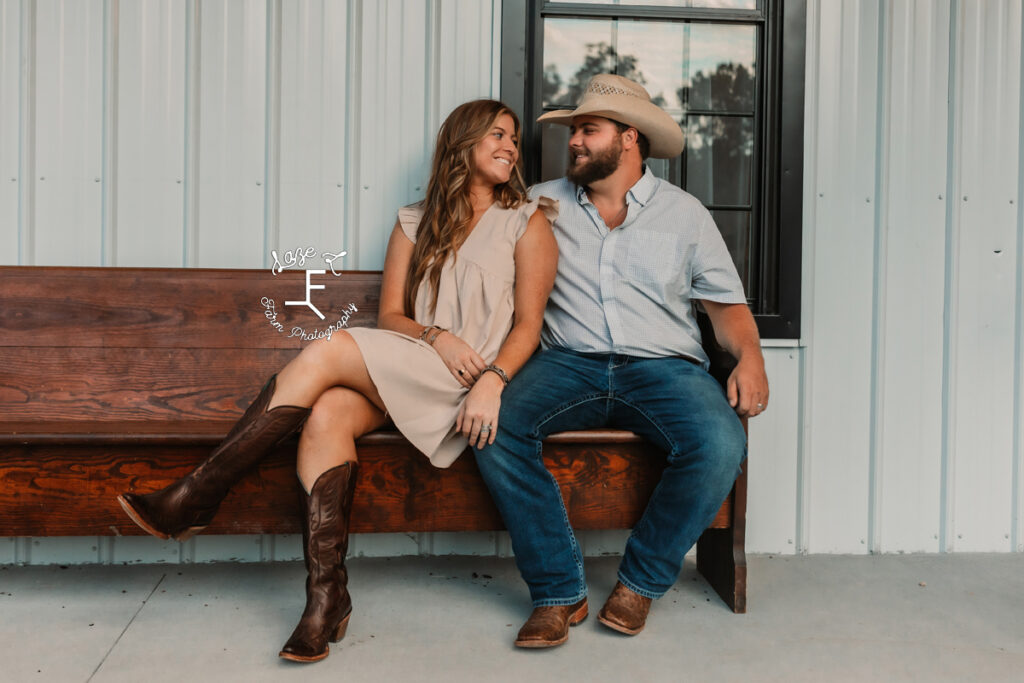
{"x":621,"y":348}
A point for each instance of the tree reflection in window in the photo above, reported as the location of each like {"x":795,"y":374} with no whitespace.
{"x":601,"y":58}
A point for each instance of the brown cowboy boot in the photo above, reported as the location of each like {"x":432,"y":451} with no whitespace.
{"x":187,"y":506}
{"x":549,"y":626}
{"x":325,"y":536}
{"x":625,"y":611}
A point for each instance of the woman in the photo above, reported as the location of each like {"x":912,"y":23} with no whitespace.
{"x":467,"y":274}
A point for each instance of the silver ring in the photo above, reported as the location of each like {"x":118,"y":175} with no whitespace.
{"x":486,"y":429}
{"x":760,"y":406}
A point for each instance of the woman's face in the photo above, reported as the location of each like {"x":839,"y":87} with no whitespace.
{"x":495,"y":155}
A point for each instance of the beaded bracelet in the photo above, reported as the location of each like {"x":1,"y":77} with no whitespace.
{"x":426,"y":331}
{"x":498,"y":371}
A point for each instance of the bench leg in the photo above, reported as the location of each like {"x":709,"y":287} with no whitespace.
{"x":724,"y":565}
{"x":722,"y":555}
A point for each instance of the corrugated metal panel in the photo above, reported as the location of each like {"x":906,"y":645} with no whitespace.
{"x":10,"y":122}
{"x":839,"y":388}
{"x":225,"y":228}
{"x":396,"y":56}
{"x":8,"y":554}
{"x":60,"y":550}
{"x":773,"y":467}
{"x":465,"y":39}
{"x":139,"y":549}
{"x":984,"y":275}
{"x":69,"y":117}
{"x":911,"y":266}
{"x":314,"y":121}
{"x":151,"y":145}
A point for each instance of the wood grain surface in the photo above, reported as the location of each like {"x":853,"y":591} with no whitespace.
{"x":55,"y":490}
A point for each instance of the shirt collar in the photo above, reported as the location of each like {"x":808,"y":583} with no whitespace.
{"x":642,"y":190}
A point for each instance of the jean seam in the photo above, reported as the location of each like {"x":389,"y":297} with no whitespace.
{"x":644,"y":521}
{"x":559,"y":602}
{"x":674,"y":450}
{"x":555,"y":412}
{"x":573,"y":542}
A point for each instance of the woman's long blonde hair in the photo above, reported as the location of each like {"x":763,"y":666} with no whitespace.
{"x":447,"y":209}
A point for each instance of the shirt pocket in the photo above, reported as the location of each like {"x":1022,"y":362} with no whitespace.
{"x":656,"y":261}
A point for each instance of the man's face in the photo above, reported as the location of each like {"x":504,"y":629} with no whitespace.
{"x":595,"y":148}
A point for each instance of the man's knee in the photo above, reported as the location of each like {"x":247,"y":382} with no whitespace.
{"x":725,"y":446}
{"x":727,"y":435}
{"x":719,"y":446}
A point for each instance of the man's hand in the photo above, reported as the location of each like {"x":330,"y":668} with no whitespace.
{"x":735,"y":329}
{"x":747,"y":387}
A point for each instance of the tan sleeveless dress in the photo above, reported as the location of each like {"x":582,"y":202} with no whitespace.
{"x":475,"y":302}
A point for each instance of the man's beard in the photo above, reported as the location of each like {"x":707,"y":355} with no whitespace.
{"x":601,"y":165}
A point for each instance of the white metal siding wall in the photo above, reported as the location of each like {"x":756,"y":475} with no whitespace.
{"x":207,"y":134}
{"x":180,"y":133}
{"x":912,"y":400}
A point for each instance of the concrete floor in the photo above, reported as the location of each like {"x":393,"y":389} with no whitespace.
{"x":816,"y":618}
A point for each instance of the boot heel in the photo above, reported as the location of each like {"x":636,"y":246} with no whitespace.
{"x":342,"y":628}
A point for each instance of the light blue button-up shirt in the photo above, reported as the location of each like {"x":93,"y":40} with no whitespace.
{"x":629,"y":290}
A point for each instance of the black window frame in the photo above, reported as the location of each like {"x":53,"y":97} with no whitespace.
{"x":779,"y":115}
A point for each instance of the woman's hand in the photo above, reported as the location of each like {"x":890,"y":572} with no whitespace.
{"x":478,"y":416}
{"x":463,"y":362}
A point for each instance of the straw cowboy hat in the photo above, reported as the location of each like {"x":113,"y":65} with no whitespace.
{"x":626,"y":101}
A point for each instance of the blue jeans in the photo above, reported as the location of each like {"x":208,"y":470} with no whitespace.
{"x":671,"y":402}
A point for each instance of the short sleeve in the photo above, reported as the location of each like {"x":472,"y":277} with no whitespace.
{"x":409,"y":218}
{"x":714,"y":273}
{"x":545,"y":204}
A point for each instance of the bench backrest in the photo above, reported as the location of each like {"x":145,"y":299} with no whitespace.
{"x":117,"y":345}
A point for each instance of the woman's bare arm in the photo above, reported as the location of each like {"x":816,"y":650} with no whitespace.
{"x":391,"y":314}
{"x":536,"y":257}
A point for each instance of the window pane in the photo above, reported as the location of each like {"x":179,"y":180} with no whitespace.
{"x":719,"y":67}
{"x":667,"y":169}
{"x":726,"y":4}
{"x":555,"y":151}
{"x":574,"y":50}
{"x":719,"y":152}
{"x":735,"y":229}
{"x":652,"y":53}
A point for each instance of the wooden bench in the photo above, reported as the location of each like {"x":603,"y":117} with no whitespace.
{"x":123,"y":379}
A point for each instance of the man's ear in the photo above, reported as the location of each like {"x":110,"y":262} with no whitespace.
{"x":630,"y":137}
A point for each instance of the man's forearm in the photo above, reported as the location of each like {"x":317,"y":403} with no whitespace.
{"x":735,"y":330}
